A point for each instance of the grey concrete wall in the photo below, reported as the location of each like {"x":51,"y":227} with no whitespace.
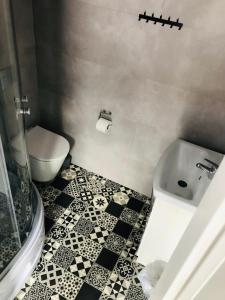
{"x":4,"y":53}
{"x":25,"y":43}
{"x":159,"y":83}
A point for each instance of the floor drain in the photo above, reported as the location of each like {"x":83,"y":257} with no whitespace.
{"x":182,"y":183}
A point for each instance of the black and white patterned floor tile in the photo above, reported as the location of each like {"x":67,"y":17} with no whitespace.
{"x":135,"y":293}
{"x":84,"y":226}
{"x":129,"y":216}
{"x":99,"y":235}
{"x":100,"y":202}
{"x":92,"y":213}
{"x":69,"y":174}
{"x":63,"y":257}
{"x":69,"y":286}
{"x":121,"y":198}
{"x":80,"y":266}
{"x":125,"y":268}
{"x":73,"y":240}
{"x":129,"y":250}
{"x":93,"y":230}
{"x":69,"y":219}
{"x":50,"y":248}
{"x":54,"y":211}
{"x":38,"y":291}
{"x":90,"y":249}
{"x":49,"y":273}
{"x":58,"y":232}
{"x":107,"y":221}
{"x":116,"y":287}
{"x":98,"y":277}
{"x":27,"y":286}
{"x":115,"y":243}
{"x":78,"y":206}
{"x":48,"y":194}
{"x":75,"y":190}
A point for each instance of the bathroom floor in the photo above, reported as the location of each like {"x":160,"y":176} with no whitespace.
{"x":93,"y":230}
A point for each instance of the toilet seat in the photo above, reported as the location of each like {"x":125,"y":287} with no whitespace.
{"x":44,"y":145}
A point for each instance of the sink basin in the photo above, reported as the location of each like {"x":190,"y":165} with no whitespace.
{"x":178,"y":179}
{"x":178,"y":187}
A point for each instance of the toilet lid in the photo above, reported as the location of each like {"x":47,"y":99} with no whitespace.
{"x":45,"y":145}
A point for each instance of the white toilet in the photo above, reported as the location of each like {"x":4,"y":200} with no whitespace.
{"x":47,"y":152}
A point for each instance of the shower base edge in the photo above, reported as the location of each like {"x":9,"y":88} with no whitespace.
{"x":26,"y":259}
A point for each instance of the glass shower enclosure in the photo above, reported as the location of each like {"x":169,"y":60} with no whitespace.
{"x":21,"y":212}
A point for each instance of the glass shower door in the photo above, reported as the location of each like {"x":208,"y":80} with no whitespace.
{"x":17,"y":197}
{"x":10,"y":242}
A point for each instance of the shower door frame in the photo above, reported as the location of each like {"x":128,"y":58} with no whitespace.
{"x":6,"y":184}
{"x":10,"y":93}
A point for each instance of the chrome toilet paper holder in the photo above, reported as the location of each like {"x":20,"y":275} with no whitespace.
{"x":105,"y":114}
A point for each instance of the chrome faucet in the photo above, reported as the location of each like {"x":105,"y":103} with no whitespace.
{"x":209,"y":169}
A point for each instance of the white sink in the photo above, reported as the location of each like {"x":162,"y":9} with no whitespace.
{"x":178,"y":187}
{"x":177,"y":166}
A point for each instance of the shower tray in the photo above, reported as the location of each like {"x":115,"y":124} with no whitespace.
{"x":22,"y":265}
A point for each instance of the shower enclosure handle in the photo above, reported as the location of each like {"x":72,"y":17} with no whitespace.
{"x":25,"y":99}
{"x":24,"y":111}
{"x":20,"y":109}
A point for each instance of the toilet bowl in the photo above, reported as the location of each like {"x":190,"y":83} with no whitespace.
{"x":47,"y":152}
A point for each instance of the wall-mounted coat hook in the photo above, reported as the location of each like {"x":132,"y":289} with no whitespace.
{"x":160,"y":20}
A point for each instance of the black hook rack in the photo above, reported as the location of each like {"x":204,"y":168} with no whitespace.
{"x":160,"y":20}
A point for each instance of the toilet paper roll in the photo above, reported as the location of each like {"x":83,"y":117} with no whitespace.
{"x":103,"y":125}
